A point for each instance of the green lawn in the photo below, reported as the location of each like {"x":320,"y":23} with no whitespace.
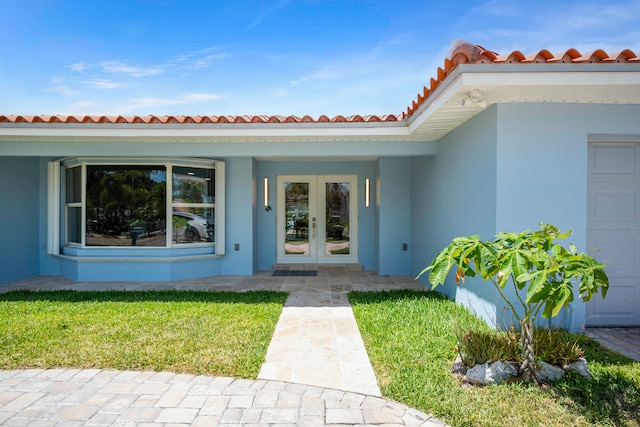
{"x":411,"y":338}
{"x":208,"y":333}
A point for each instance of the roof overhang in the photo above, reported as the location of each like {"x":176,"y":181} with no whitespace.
{"x":471,"y":88}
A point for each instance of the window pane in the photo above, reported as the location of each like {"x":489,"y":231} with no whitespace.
{"x":297,"y":208}
{"x":193,"y":185}
{"x":337,"y":205}
{"x":74,"y":225}
{"x":193,"y":225}
{"x":73,"y":185}
{"x":126,"y":206}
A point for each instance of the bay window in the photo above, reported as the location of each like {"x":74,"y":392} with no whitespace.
{"x":142,"y":203}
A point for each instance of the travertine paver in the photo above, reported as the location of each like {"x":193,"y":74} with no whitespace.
{"x":194,"y":400}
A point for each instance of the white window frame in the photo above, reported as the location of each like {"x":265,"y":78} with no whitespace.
{"x":57,"y":199}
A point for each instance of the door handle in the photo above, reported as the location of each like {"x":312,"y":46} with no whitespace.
{"x":313,"y":227}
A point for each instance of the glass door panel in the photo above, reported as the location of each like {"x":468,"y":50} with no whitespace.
{"x":337,"y":218}
{"x":297,"y":218}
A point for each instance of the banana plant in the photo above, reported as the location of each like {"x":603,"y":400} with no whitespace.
{"x":542,"y":273}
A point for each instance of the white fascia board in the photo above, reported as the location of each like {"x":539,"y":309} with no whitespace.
{"x":249,"y":130}
{"x":443,"y":93}
{"x":586,"y":78}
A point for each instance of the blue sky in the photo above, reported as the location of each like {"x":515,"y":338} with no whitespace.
{"x":141,"y":57}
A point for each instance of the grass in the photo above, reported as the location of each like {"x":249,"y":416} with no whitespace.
{"x":413,"y":366}
{"x":202,"y":333}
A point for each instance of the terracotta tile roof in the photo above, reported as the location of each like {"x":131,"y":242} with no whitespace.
{"x":466,"y":53}
{"x":194,"y":119}
{"x":461,"y":53}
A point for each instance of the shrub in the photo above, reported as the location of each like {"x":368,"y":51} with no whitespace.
{"x":555,"y":346}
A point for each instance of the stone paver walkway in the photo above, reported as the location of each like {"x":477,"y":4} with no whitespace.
{"x":71,"y":397}
{"x":317,"y":340}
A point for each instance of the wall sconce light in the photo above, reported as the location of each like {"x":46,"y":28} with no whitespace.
{"x":367,"y":192}
{"x":266,"y":194}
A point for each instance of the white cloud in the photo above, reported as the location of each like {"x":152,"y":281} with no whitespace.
{"x":147,"y":102}
{"x":101,"y":83}
{"x":117,"y":67}
{"x":79,"y":67}
{"x":201,"y":97}
{"x":266,"y":10}
{"x":199,"y":59}
{"x":63,"y":90}
{"x":83,"y":107}
{"x":326,"y":73}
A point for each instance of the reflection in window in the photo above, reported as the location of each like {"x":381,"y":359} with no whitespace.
{"x":120,"y":203}
{"x":297,"y":226}
{"x":193,"y":204}
{"x":337,"y":218}
{"x":126,"y":205}
{"x":193,"y":185}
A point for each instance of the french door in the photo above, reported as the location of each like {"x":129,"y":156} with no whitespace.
{"x":317,"y":219}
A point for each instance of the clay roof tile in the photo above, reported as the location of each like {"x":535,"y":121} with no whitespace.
{"x":538,"y":57}
{"x":626,"y":55}
{"x":515,"y":56}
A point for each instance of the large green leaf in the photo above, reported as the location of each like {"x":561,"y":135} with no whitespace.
{"x":531,"y":260}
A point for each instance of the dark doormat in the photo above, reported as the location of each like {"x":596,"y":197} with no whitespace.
{"x":295,"y":273}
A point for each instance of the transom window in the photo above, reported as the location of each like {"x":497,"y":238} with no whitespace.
{"x":141,"y":202}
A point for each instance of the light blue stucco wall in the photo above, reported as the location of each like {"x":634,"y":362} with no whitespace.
{"x":19,"y":222}
{"x":266,"y":220}
{"x":394,"y":219}
{"x":507,"y":169}
{"x":454,"y":194}
{"x":542,"y":169}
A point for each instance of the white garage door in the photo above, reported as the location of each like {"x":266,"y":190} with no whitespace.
{"x":613,"y":230}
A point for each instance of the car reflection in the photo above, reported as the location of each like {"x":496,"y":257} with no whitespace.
{"x":195,"y":229}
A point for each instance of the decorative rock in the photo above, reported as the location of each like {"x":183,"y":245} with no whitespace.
{"x":499,"y":371}
{"x":503,"y":370}
{"x":479,"y":374}
{"x":493,"y":373}
{"x":549,"y":373}
{"x":579,"y":366}
{"x":458,"y":366}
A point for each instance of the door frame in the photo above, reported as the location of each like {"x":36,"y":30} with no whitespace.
{"x":317,"y":206}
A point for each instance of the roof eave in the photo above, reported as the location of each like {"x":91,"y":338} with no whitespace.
{"x":470,"y":88}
